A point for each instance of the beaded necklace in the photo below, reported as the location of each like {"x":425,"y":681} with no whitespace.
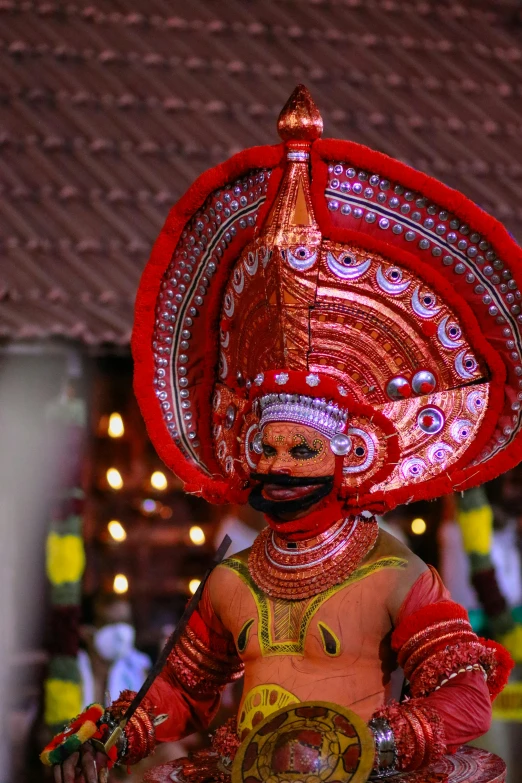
{"x":295,"y":570}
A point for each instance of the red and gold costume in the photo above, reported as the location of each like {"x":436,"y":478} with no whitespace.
{"x":320,"y":284}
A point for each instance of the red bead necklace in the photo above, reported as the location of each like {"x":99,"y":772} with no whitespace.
{"x":294,"y":570}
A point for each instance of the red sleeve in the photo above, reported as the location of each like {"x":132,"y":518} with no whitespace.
{"x":464,"y":705}
{"x":189,"y":688}
{"x":428,"y":589}
{"x":450,"y":669}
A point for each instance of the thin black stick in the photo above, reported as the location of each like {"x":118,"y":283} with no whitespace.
{"x":171,"y":641}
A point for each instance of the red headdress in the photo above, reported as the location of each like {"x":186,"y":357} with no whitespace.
{"x":323,"y":282}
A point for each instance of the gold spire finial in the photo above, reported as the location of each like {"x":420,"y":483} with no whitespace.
{"x":300,"y":119}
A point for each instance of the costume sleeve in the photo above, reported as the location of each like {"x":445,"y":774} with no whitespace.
{"x":453,"y":674}
{"x":188,"y":690}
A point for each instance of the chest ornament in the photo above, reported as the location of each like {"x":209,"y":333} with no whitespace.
{"x":312,"y":566}
{"x":283,"y":625}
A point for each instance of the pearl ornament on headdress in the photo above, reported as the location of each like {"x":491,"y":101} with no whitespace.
{"x":257,"y":443}
{"x":341,"y":444}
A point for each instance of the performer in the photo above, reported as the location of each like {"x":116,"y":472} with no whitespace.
{"x":325,"y":333}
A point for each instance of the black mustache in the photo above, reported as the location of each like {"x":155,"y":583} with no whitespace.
{"x":278,"y":508}
{"x":283,"y":480}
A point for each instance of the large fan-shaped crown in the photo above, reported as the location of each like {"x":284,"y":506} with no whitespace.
{"x":321,"y":268}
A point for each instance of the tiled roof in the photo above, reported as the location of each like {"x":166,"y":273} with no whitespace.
{"x":110,"y":110}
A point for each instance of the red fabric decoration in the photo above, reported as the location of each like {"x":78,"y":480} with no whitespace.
{"x":464,"y":701}
{"x":257,"y":157}
{"x":441,"y":611}
{"x":435,"y":642}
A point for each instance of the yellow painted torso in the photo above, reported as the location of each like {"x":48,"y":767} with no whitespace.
{"x":332,"y":647}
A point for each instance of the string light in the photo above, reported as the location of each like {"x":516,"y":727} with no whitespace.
{"x":120,"y":584}
{"x":114,"y":478}
{"x":116,"y":428}
{"x":197,"y":536}
{"x":193,"y":585}
{"x":158,"y":480}
{"x":116,"y":530}
{"x":418,"y":526}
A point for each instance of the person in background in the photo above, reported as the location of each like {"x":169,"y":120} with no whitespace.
{"x":242,"y":524}
{"x":480,"y":559}
{"x":111,"y":662}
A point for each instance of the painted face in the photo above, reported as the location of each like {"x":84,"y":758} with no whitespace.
{"x":295,"y":450}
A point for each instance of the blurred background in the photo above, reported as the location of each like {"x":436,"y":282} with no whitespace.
{"x":108,"y":111}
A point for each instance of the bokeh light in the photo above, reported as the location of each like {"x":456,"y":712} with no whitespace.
{"x":114,"y":478}
{"x":197,"y":536}
{"x":149,"y":506}
{"x":120,"y":584}
{"x":116,"y":428}
{"x":418,"y":526}
{"x":158,"y":480}
{"x":193,"y":585}
{"x":116,"y":530}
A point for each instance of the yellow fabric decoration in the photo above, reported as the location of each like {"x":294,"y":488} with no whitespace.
{"x":508,"y":704}
{"x":63,"y":701}
{"x":65,"y":558}
{"x":477,"y":530}
{"x":512,"y":640}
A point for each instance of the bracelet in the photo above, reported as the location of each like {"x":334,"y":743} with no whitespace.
{"x":140,"y":736}
{"x":111,"y":723}
{"x":385,"y":748}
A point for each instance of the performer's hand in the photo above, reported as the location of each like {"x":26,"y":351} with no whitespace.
{"x":84,"y":765}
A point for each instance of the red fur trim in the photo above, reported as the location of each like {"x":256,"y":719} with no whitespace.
{"x":452,"y":659}
{"x":333,"y":149}
{"x":423,"y":618}
{"x":498,"y":675}
{"x":214,"y":488}
{"x":446,"y":657}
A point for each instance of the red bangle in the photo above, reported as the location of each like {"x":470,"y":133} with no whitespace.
{"x":418,"y":733}
{"x":139,"y":731}
{"x":419,"y":742}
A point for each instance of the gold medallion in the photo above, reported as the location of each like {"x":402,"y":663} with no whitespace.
{"x":310,"y":742}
